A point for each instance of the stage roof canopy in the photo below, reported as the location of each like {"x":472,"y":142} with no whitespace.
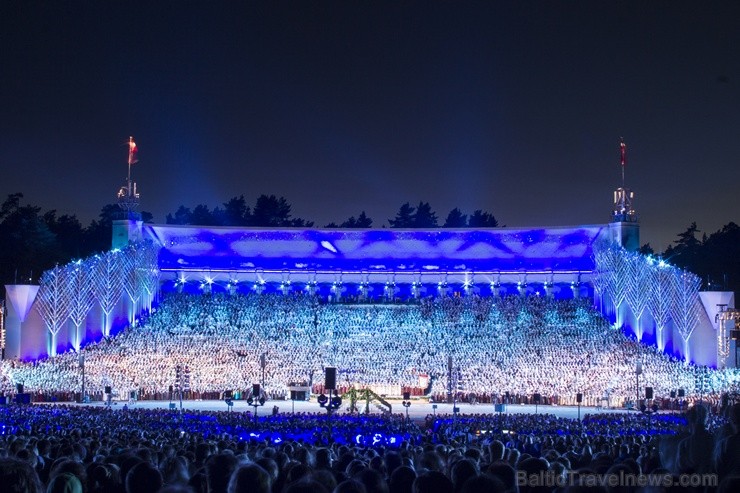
{"x":558,"y":249}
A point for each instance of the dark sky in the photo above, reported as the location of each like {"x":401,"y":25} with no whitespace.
{"x":512,"y":107}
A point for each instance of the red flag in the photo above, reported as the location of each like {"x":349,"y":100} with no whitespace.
{"x":623,"y":152}
{"x":132,"y":151}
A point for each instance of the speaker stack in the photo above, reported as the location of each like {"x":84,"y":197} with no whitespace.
{"x":330,"y":378}
{"x":648,"y":393}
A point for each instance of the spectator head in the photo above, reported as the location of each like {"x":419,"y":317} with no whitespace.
{"x":219,"y":468}
{"x":483,"y":483}
{"x":18,"y":476}
{"x":306,"y":485}
{"x":354,"y":467}
{"x":64,"y":483}
{"x":250,"y":478}
{"x":461,"y":471}
{"x":69,"y":466}
{"x":496,"y":449}
{"x":402,"y":480}
{"x":270,"y":466}
{"x":373,"y":481}
{"x":393,"y":460}
{"x":432,"y":482}
{"x":506,"y":474}
{"x":174,"y":471}
{"x":323,"y":458}
{"x":143,"y":478}
{"x":431,"y":461}
{"x":350,"y":486}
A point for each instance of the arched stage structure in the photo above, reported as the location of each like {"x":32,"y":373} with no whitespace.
{"x":649,"y":299}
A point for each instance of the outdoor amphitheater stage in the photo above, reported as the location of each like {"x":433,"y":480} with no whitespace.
{"x":417,"y":411}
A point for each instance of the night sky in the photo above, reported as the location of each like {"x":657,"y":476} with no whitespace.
{"x":512,"y":107}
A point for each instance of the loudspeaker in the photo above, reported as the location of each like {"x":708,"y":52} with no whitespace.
{"x":171,"y":389}
{"x":638,"y":368}
{"x":256,"y":390}
{"x":407,"y":396}
{"x":536,"y":398}
{"x":228,"y":394}
{"x":19,"y":388}
{"x":735,"y":335}
{"x":648,"y":392}
{"x":681,"y":393}
{"x":23,"y":398}
{"x":579,"y":398}
{"x":330,"y":378}
{"x":673,"y":394}
{"x":108,"y":390}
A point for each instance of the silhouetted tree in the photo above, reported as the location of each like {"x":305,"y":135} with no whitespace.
{"x":202,"y":216}
{"x":236,"y":212}
{"x":646,"y":249}
{"x":720,"y":258}
{"x":69,"y":235}
{"x":482,"y":219}
{"x":362,"y":221}
{"x":270,"y":211}
{"x":404,"y":217}
{"x":456,"y":219}
{"x":28,"y":246}
{"x":684,"y":250}
{"x":424,"y":216}
{"x":182,"y":215}
{"x":10,"y":205}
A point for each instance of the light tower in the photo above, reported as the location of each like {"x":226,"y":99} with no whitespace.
{"x":623,"y":197}
{"x":625,"y":221}
{"x":128,"y":228}
{"x":128,"y":197}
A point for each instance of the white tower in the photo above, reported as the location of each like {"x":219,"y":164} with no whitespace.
{"x":625,"y":221}
{"x":128,"y":228}
{"x":128,"y":197}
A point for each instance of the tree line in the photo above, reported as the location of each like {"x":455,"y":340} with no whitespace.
{"x":33,"y":240}
{"x":271,"y":211}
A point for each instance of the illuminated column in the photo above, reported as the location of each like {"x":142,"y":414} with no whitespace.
{"x":468,"y":283}
{"x":20,"y":298}
{"x":685,"y":307}
{"x":638,"y":289}
{"x":575,"y":287}
{"x":53,"y":303}
{"x":521,"y":286}
{"x":107,"y":285}
{"x":416,"y":289}
{"x":233,"y":284}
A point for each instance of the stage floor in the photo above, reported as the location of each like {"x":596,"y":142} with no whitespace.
{"x":418,"y":409}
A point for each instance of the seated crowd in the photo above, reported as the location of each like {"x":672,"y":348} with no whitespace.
{"x":516,"y":346}
{"x":91,"y":449}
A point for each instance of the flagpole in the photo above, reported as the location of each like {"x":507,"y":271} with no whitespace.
{"x":623,"y":156}
{"x":131,"y":146}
